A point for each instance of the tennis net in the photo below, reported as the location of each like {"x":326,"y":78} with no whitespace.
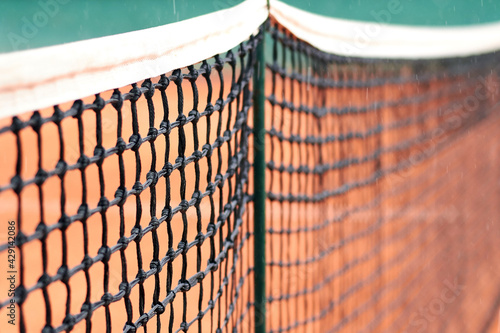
{"x":372,"y":179}
{"x":286,"y":184}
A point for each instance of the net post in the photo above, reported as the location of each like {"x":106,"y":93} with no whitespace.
{"x":259,"y":183}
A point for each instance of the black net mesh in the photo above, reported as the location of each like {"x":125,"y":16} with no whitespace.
{"x":372,"y":180}
{"x":131,"y":209}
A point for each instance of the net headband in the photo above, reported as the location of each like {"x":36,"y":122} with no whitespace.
{"x":43,"y":77}
{"x":380,"y":40}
